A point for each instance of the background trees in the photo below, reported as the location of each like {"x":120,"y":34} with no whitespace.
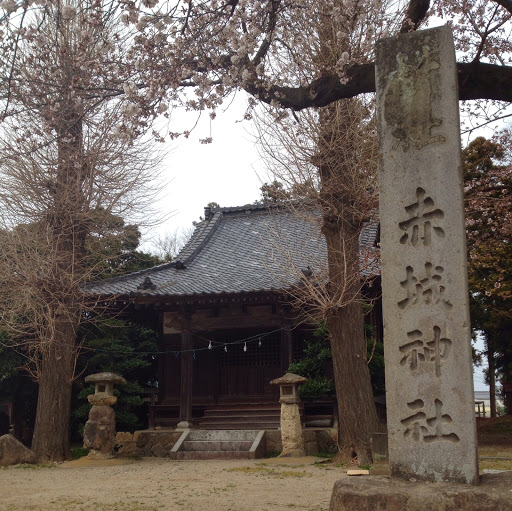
{"x":488,"y":194}
{"x":330,"y":156}
{"x":123,"y":348}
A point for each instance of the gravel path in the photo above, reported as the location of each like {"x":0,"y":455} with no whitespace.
{"x":153,"y":484}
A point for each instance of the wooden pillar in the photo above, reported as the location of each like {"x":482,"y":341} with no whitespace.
{"x":162,"y":361}
{"x":286,"y":347}
{"x":187,"y":374}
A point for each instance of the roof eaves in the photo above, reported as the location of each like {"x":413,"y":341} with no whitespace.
{"x":130,"y":276}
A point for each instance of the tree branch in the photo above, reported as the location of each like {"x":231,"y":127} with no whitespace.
{"x":507,"y":4}
{"x":320,"y":92}
{"x":476,"y":81}
{"x":484,"y":81}
{"x":265,"y":45}
{"x":415,"y":14}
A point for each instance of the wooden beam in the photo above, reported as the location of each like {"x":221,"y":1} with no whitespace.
{"x":187,"y":374}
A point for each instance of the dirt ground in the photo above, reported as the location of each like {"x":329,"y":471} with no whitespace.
{"x":153,"y":484}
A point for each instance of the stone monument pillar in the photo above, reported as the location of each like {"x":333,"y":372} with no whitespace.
{"x":291,"y":426}
{"x":429,"y":379}
{"x":100,"y":429}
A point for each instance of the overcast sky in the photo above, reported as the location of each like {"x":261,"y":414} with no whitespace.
{"x":228,"y":171}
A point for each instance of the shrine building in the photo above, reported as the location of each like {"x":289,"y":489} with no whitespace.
{"x":225,"y":318}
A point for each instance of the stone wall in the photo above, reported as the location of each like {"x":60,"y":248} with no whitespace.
{"x":146,"y":443}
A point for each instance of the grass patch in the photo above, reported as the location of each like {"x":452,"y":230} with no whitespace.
{"x":495,"y":464}
{"x":263,"y":464}
{"x":495,"y":451}
{"x":323,"y":454}
{"x":272,"y":454}
{"x":79,"y":452}
{"x":279,"y":474}
{"x":33,"y":467}
{"x":329,"y":462}
{"x":495,"y":425}
{"x":495,"y":431}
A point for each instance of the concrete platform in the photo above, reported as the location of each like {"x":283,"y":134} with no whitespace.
{"x":380,"y":493}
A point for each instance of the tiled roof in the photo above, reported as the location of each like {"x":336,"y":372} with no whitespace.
{"x":239,"y":250}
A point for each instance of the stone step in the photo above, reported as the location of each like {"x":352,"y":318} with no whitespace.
{"x":241,"y":411}
{"x":244,"y":417}
{"x":213,"y":455}
{"x":230,"y":401}
{"x":214,"y":444}
{"x":239,"y":425}
{"x":217,"y":445}
{"x":222,"y":435}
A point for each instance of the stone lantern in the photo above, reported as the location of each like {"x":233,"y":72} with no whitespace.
{"x":104,"y":388}
{"x":291,"y":427}
{"x":100,"y":429}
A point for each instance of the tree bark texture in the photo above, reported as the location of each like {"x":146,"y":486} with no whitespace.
{"x":357,"y":415}
{"x":344,"y":199}
{"x":51,"y":434}
{"x":476,"y":81}
{"x":66,"y":226}
{"x":492,"y":378}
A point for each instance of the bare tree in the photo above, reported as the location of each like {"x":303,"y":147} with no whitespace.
{"x":69,"y":163}
{"x":168,"y":246}
{"x":333,"y":152}
{"x":330,"y":156}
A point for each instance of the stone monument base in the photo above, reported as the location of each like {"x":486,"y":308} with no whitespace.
{"x":380,"y":493}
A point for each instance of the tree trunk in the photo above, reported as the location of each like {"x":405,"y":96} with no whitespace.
{"x":492,"y":378}
{"x":57,"y":345}
{"x":346,"y":202}
{"x":357,"y":415}
{"x":51,"y":433}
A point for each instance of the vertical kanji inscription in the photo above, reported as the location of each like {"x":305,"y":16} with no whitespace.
{"x":427,"y":342}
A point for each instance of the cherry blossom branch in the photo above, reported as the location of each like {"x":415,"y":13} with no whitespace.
{"x":414,"y":15}
{"x":476,"y":81}
{"x":265,"y":45}
{"x":507,"y":4}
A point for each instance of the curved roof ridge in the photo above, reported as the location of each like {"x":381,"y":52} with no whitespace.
{"x":199,"y":238}
{"x":260,"y":206}
{"x":246,"y":207}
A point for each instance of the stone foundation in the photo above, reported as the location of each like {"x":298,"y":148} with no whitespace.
{"x":99,"y":432}
{"x":158,"y":443}
{"x":379,"y":493}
